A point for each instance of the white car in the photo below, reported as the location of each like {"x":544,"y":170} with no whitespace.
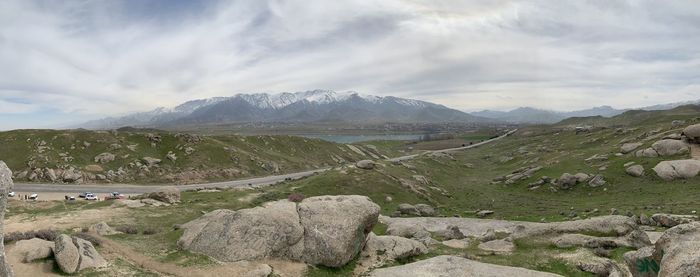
{"x":90,"y":196}
{"x":33,"y":196}
{"x":11,"y":194}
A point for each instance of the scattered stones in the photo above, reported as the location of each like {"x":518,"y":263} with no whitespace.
{"x":635,"y":171}
{"x":597,"y":158}
{"x":568,"y":181}
{"x":678,"y":169}
{"x":104,"y":158}
{"x":457,"y":243}
{"x":365,"y":164}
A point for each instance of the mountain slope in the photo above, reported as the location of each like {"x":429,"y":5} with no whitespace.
{"x":532,"y":115}
{"x":307,"y":106}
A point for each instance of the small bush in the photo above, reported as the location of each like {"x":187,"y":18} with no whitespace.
{"x":89,"y":237}
{"x":150,"y":231}
{"x":45,"y":234}
{"x":295,"y":197}
{"x":128,"y":229}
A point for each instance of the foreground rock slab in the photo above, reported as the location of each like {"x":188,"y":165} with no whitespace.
{"x":75,"y":254}
{"x":5,"y":187}
{"x":455,"y":267}
{"x":323,"y":230}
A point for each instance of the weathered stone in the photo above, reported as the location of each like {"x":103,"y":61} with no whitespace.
{"x":646,"y":153}
{"x":499,"y":246}
{"x":670,"y":147}
{"x":425,"y":210}
{"x":566,"y":181}
{"x":66,"y":254}
{"x":102,"y":229}
{"x":692,"y":132}
{"x":89,"y":257}
{"x":380,"y":250}
{"x":93,"y":168}
{"x":641,"y":263}
{"x":635,"y":171}
{"x":597,"y":181}
{"x":104,"y":158}
{"x":629,"y":147}
{"x":170,"y":195}
{"x":455,"y":267}
{"x":484,"y":213}
{"x":678,"y":251}
{"x":678,"y":169}
{"x":451,"y":232}
{"x":6,"y":185}
{"x":365,"y":164}
{"x":34,"y":249}
{"x":150,"y":162}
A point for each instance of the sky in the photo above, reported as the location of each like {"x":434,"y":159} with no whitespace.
{"x":65,"y":62}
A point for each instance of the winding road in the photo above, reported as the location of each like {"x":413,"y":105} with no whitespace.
{"x":245,"y":183}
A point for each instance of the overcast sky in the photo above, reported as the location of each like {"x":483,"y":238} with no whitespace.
{"x":68,"y":61}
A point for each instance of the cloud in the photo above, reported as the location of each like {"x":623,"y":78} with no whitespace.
{"x":87,"y":59}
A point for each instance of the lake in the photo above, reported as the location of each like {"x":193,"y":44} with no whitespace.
{"x":360,"y":138}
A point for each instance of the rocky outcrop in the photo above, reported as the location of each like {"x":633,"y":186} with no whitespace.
{"x":75,"y":254}
{"x":381,"y":250}
{"x":678,"y":169}
{"x":455,"y":267}
{"x":670,"y":147}
{"x":323,"y":230}
{"x":5,"y":187}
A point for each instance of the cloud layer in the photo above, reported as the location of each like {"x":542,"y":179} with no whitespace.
{"x":67,"y":61}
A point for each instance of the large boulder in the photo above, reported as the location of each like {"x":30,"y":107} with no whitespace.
{"x":629,"y":147}
{"x":381,"y":250}
{"x":455,"y":267}
{"x":646,"y":153}
{"x":34,"y":249}
{"x":678,"y":169}
{"x":323,"y":230}
{"x":678,"y":251}
{"x":168,"y":195}
{"x":104,"y":158}
{"x":670,"y":147}
{"x":692,"y":132}
{"x":102,"y":229}
{"x":66,"y":253}
{"x":74,"y":254}
{"x":6,"y":185}
{"x":641,"y":262}
{"x":566,"y":181}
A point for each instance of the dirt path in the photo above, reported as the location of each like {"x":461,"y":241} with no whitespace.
{"x":112,"y":250}
{"x":61,"y":221}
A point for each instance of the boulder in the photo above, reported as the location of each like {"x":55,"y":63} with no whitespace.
{"x":670,"y":220}
{"x":582,"y":177}
{"x":408,"y":209}
{"x":66,"y":254}
{"x":102,"y":229}
{"x":641,"y":263}
{"x":692,"y":132}
{"x":6,"y":185}
{"x":646,"y":153}
{"x":104,"y":158}
{"x":150,"y":162}
{"x":455,"y":267}
{"x":597,"y":181}
{"x":450,"y":233}
{"x":170,"y":195}
{"x":425,"y":210}
{"x":89,"y":257}
{"x":566,"y":181}
{"x":34,"y":249}
{"x":365,"y":164}
{"x":678,"y":169}
{"x":72,"y":175}
{"x":404,"y":230}
{"x":323,"y":230}
{"x":93,"y":168}
{"x":379,"y":250}
{"x":498,"y":246}
{"x":635,"y":171}
{"x":670,"y":147}
{"x":645,"y":220}
{"x":678,"y":251}
{"x":629,"y":147}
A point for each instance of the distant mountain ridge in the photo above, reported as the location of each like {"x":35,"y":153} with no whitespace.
{"x":533,"y":115}
{"x":306,"y":106}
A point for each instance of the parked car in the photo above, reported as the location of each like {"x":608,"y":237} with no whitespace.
{"x":83,"y":194}
{"x":33,"y":196}
{"x":11,"y":194}
{"x":90,"y":196}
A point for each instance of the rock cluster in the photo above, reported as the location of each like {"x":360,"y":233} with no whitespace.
{"x":323,"y":230}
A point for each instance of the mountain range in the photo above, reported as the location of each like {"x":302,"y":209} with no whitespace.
{"x":306,"y":106}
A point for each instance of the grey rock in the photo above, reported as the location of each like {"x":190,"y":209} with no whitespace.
{"x":380,"y":250}
{"x":365,"y":164}
{"x":150,"y":162}
{"x":6,"y":186}
{"x":629,"y":147}
{"x":670,"y":147}
{"x":635,"y":171}
{"x":484,"y":213}
{"x":102,"y":229}
{"x":692,"y":132}
{"x":498,"y":246}
{"x":646,"y":153}
{"x":665,"y":220}
{"x":34,"y":249}
{"x":641,"y":262}
{"x":597,"y":181}
{"x":66,"y":254}
{"x":451,"y":232}
{"x":170,"y":195}
{"x":408,"y":209}
{"x":104,"y":158}
{"x":425,"y":210}
{"x":678,"y":169}
{"x":678,"y":251}
{"x":566,"y":181}
{"x":455,"y":267}
{"x":89,"y":257}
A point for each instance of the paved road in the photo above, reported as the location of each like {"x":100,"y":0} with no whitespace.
{"x":252,"y":182}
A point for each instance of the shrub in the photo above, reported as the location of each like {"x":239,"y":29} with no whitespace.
{"x":45,"y":234}
{"x":150,"y":231}
{"x":128,"y":229}
{"x":295,"y":197}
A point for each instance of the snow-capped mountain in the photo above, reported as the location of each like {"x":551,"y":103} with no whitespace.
{"x":305,"y":106}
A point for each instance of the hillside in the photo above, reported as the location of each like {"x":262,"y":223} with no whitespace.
{"x":138,"y":156}
{"x":308,"y":106}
